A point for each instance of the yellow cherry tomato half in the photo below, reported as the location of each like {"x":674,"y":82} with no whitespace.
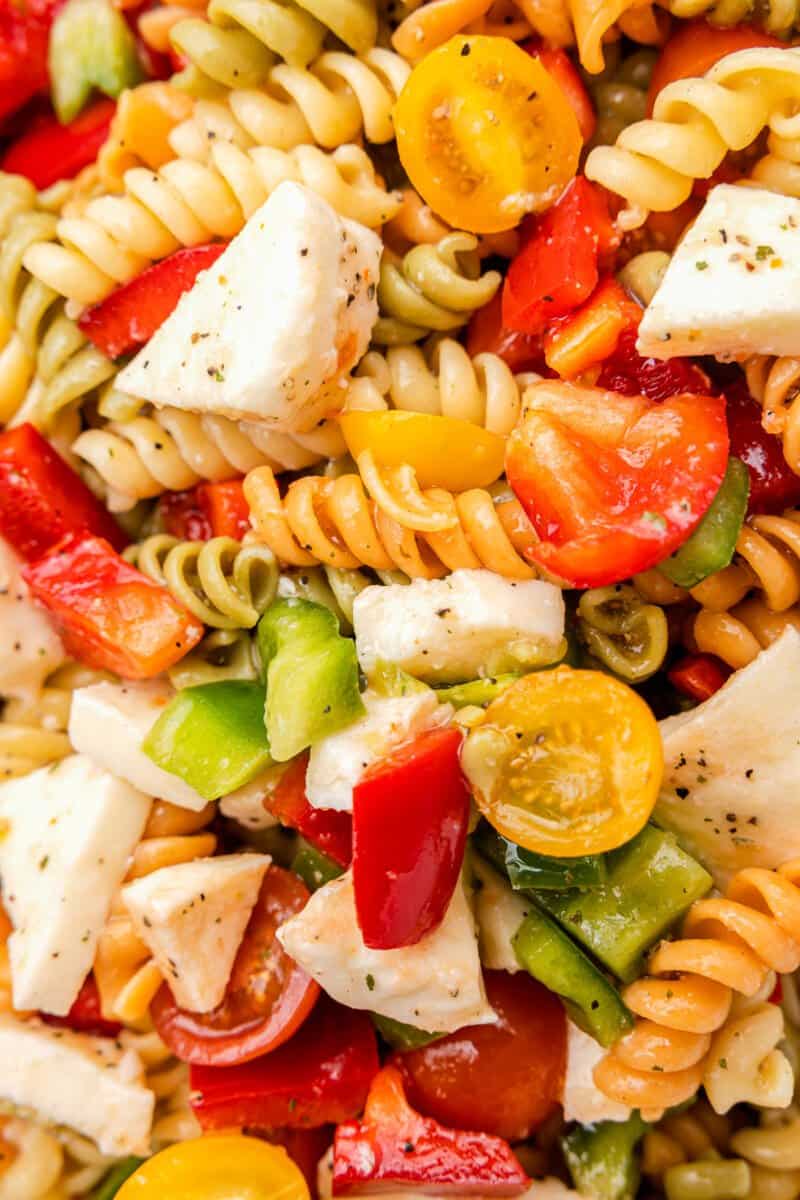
{"x":217,"y":1167}
{"x":566,"y":762}
{"x":485,"y":133}
{"x":445,"y":452}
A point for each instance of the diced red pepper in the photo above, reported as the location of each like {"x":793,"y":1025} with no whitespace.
{"x":42,"y":499}
{"x":110,"y":615}
{"x":206,"y":511}
{"x":557,"y":267}
{"x":626,"y":372}
{"x":305,"y":1147}
{"x":85,"y":1016}
{"x":560,"y":66}
{"x":331,"y":832}
{"x":51,"y":151}
{"x":592,"y":332}
{"x":394,"y":1148}
{"x":698,"y":676}
{"x":486,"y":334}
{"x":182,"y":515}
{"x":773,"y":484}
{"x":410,"y":819}
{"x":320,"y":1075}
{"x":24,"y":33}
{"x":129,"y":317}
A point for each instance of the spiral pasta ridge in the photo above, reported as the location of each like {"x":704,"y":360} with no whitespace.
{"x":33,"y":732}
{"x":776,"y":16}
{"x":690,"y":1031}
{"x":775,"y":383}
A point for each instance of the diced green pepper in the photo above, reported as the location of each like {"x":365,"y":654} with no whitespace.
{"x":388,"y":679}
{"x":550,"y":956}
{"x":401,"y":1036}
{"x":478,"y":691}
{"x":314,"y":868}
{"x":651,"y":882}
{"x":602,"y":1158}
{"x":212,"y":737}
{"x":528,"y":871}
{"x":711,"y":546}
{"x":91,"y":46}
{"x":312,"y":675}
{"x":113,"y":1181}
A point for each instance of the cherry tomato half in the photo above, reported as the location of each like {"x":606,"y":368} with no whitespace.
{"x":217,"y":1167}
{"x":485,"y":133}
{"x":503,"y":1079}
{"x":268,"y":995}
{"x":566,"y":762}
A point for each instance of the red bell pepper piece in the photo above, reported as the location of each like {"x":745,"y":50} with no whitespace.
{"x":129,"y":317}
{"x":557,"y":267}
{"x":626,"y":372}
{"x":206,"y":511}
{"x":51,"y":151}
{"x":560,"y":66}
{"x":395,"y":1148}
{"x":85,"y":1016}
{"x":698,"y":676}
{"x":42,"y":499}
{"x":773,"y":484}
{"x":777,"y":992}
{"x":183,"y":516}
{"x":321,"y":1075}
{"x":588,"y":335}
{"x":110,"y":615}
{"x":486,"y":334}
{"x":410,"y":818}
{"x":24,"y":32}
{"x":331,"y":832}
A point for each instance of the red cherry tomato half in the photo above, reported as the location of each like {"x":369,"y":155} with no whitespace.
{"x":503,"y":1079}
{"x":625,"y":371}
{"x":773,"y":484}
{"x":268,"y":996}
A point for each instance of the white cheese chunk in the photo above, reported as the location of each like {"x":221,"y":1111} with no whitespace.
{"x":269,"y":332}
{"x":30,"y":648}
{"x":68,"y":833}
{"x":499,"y":911}
{"x":337,"y":762}
{"x":435,"y":984}
{"x":582,"y":1100}
{"x":732,"y":765}
{"x":90,"y":1084}
{"x":108,"y":723}
{"x":246,"y":805}
{"x":732,"y":288}
{"x":470,"y":623}
{"x":192,"y":917}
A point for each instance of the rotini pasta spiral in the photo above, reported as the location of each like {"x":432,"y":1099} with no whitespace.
{"x":740,"y":634}
{"x":169,"y":450}
{"x":431,"y":288}
{"x":776,"y":16}
{"x":126,"y":976}
{"x":33,"y":732}
{"x":775,"y":383}
{"x":187,"y":203}
{"x":222,"y":654}
{"x":442,"y":379}
{"x":695,"y":123}
{"x":225,"y":584}
{"x":729,"y":945}
{"x":627,"y":636}
{"x":332,"y":521}
{"x":697,"y":1133}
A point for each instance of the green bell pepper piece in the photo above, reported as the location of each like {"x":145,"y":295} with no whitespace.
{"x":91,"y":46}
{"x":546,"y":953}
{"x":528,"y":871}
{"x":401,"y":1036}
{"x":711,"y":546}
{"x":602,"y":1158}
{"x":312,"y":675}
{"x":314,"y":868}
{"x":212,"y":736}
{"x":651,"y":883}
{"x":478,"y":691}
{"x":111,"y":1183}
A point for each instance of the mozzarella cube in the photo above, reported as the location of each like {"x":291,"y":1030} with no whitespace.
{"x":337,"y":762}
{"x":246,"y":805}
{"x":271,"y":329}
{"x":499,"y":911}
{"x":582,"y":1100}
{"x":435,"y":984}
{"x":732,"y":288}
{"x":68,"y":833}
{"x":731,"y":767}
{"x":30,"y":648}
{"x":108,"y":723}
{"x":192,"y":917}
{"x":91,"y":1084}
{"x":471,"y":623}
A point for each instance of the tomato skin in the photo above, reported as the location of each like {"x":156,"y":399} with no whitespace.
{"x":410,"y":820}
{"x":183,"y":516}
{"x":626,"y":372}
{"x":305,"y":1147}
{"x":330,"y":832}
{"x":558,"y":64}
{"x":210,"y":1168}
{"x":698,"y":676}
{"x":85,"y":1016}
{"x":613,"y":484}
{"x":486,"y":334}
{"x":24,"y":32}
{"x":505,"y":1079}
{"x":773,"y":484}
{"x":695,"y":46}
{"x":320,"y":1076}
{"x":268,"y":995}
